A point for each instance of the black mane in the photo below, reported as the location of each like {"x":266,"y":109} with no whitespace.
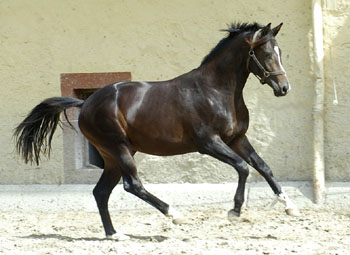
{"x":234,"y":29}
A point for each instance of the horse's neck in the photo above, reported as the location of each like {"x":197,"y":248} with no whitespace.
{"x":227,"y":74}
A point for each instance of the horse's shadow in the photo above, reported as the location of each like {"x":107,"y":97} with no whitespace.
{"x":154,"y":238}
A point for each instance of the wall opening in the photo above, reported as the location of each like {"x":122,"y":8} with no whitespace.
{"x":93,"y":156}
{"x":82,"y":162}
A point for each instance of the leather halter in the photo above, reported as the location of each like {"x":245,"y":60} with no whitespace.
{"x":251,"y":54}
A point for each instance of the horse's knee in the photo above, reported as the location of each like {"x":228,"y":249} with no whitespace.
{"x":127,"y":187}
{"x":132,"y":186}
{"x":268,"y":171}
{"x":243,"y":169}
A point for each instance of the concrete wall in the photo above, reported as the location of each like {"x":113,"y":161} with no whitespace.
{"x":158,"y":40}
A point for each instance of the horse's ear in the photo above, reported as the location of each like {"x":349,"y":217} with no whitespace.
{"x":276,"y":29}
{"x":266,"y":29}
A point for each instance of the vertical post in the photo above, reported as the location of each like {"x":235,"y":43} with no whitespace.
{"x":318,"y":107}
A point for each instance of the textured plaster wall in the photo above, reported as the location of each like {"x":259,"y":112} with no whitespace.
{"x":158,"y":40}
{"x":337,"y":117}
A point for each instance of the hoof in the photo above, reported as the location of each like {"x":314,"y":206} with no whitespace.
{"x":176,"y":216}
{"x":179,"y":221}
{"x":118,"y":237}
{"x":293,"y":212}
{"x":232,"y":215}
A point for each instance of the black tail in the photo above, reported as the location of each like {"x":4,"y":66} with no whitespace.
{"x":34,"y":134}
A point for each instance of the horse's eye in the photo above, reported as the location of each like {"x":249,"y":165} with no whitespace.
{"x":268,"y":55}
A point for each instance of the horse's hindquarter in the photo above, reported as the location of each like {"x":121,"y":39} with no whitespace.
{"x":153,"y":118}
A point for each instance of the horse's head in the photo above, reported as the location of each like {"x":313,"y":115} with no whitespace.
{"x":265,"y":61}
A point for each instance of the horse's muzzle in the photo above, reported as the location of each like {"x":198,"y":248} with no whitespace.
{"x":280,"y":89}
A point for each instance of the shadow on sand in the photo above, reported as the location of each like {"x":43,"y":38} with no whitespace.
{"x":155,"y":238}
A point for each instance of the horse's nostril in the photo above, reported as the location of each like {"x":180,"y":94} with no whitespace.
{"x":285,"y":89}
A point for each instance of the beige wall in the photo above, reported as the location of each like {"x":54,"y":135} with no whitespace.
{"x":337,"y":73}
{"x":157,"y":40}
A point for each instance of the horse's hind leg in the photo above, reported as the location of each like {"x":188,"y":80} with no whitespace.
{"x":110,"y":177}
{"x":133,"y":185}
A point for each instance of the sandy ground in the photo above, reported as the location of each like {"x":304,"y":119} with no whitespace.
{"x":260,"y":230}
{"x":51,"y":219}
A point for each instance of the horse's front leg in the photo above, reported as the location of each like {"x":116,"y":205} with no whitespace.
{"x":216,"y":148}
{"x":243,"y":148}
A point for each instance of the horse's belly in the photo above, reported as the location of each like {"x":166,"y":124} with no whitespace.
{"x":162,"y":143}
{"x":166,"y":149}
{"x":162,"y":147}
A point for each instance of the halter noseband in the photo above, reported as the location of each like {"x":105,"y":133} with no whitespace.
{"x":251,"y":54}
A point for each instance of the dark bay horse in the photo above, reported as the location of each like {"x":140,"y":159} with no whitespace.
{"x":200,"y":111}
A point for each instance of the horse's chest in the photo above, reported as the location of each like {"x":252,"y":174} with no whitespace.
{"x":233,"y":125}
{"x":229,"y":130}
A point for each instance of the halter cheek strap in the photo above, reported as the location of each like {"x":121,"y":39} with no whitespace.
{"x":252,"y":55}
